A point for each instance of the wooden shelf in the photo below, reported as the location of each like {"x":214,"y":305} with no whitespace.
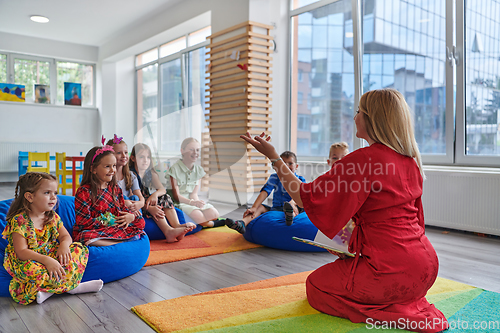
{"x":239,"y":101}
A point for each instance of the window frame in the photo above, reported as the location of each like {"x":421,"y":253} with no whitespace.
{"x":455,"y":118}
{"x":357,"y":50}
{"x":11,"y":56}
{"x":182,"y":55}
{"x":461,"y":158}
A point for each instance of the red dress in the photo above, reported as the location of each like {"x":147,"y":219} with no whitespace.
{"x":88,"y":227}
{"x":381,"y":190}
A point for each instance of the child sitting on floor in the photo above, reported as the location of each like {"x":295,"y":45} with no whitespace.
{"x":159,"y":205}
{"x":281,"y":199}
{"x":41,"y":257}
{"x":102,"y":218}
{"x":124,"y":178}
{"x":184,"y":176}
{"x":338,"y":150}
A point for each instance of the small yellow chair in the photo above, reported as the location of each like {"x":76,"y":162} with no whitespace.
{"x":62,"y":173}
{"x":36,"y":158}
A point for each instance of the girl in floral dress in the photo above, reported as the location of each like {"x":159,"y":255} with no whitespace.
{"x":102,"y":218}
{"x":39,"y":264}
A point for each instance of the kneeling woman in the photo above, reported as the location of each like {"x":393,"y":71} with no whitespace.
{"x":380,"y":188}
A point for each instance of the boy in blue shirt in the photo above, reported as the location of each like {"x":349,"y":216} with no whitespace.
{"x":281,"y":199}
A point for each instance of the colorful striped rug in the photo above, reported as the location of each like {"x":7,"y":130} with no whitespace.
{"x":206,"y":242}
{"x":280,"y":305}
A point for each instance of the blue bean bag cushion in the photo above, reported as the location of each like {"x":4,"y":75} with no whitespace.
{"x":108,"y":263}
{"x":270,"y":229}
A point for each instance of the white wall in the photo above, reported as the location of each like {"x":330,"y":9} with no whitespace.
{"x":224,"y":14}
{"x":47,"y":123}
{"x":48,"y":48}
{"x":118,"y":99}
{"x":26,"y":122}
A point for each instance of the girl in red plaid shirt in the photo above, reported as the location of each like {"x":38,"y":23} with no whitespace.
{"x":102,"y":218}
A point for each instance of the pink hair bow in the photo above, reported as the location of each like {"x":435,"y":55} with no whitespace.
{"x":117,"y":140}
{"x":103,"y":149}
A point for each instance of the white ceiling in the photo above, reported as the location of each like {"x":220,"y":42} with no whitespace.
{"x":89,"y":22}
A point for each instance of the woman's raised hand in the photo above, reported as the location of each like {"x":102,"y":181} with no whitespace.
{"x":261,"y":143}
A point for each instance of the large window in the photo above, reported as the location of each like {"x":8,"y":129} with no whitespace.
{"x":147,"y":104}
{"x":443,"y":56}
{"x":322,"y":70}
{"x":33,"y":70}
{"x":482,"y":78}
{"x":404,"y":48}
{"x":172,"y":124}
{"x":176,"y":111}
{"x":78,"y":73}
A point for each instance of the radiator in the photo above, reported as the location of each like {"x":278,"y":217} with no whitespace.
{"x":9,"y":151}
{"x":463,"y":198}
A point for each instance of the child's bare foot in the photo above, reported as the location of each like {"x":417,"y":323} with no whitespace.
{"x":176,"y":234}
{"x":189,"y":225}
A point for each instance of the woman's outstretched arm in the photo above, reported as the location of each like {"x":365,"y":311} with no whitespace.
{"x":288,"y":179}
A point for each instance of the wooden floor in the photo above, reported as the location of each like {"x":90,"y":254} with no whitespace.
{"x":463,"y":257}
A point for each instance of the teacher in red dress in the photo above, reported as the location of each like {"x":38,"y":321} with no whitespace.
{"x":380,"y":188}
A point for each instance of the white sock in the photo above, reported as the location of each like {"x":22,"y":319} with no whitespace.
{"x":87,"y":287}
{"x":41,"y":296}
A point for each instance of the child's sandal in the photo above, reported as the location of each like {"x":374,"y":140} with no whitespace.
{"x":238,"y":225}
{"x":288,"y":210}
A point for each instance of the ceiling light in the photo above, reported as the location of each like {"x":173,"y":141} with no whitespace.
{"x":39,"y":19}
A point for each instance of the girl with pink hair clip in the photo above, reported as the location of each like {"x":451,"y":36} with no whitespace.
{"x":102,"y":218}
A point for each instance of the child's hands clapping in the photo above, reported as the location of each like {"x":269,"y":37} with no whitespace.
{"x":124,"y":219}
{"x":56,"y":271}
{"x":63,"y":254}
{"x":156,"y":212}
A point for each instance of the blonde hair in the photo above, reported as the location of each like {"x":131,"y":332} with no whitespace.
{"x":389,"y":121}
{"x":188,"y":141}
{"x":338,"y":145}
{"x":29,"y":182}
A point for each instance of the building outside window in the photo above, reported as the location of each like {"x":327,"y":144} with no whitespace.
{"x":404,"y":47}
{"x":327,"y":68}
